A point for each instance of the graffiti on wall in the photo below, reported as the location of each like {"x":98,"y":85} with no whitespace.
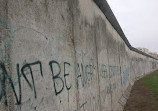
{"x":85,"y":73}
{"x":125,"y":76}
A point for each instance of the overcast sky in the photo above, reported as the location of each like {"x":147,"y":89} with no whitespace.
{"x":139,"y":21}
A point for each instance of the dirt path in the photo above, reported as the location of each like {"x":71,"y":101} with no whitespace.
{"x":141,"y":99}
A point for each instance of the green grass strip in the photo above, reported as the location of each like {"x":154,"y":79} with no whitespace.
{"x":151,"y":82}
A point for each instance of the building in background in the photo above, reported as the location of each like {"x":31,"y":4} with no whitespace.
{"x":145,"y":50}
{"x":154,"y":54}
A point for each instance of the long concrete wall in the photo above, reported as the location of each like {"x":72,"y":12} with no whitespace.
{"x":65,"y":55}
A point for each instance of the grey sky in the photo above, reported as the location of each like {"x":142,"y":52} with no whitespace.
{"x":139,"y":21}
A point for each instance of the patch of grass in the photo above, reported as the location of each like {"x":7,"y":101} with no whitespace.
{"x":151,"y":82}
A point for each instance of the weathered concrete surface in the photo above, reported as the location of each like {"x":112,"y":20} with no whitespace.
{"x":64,"y":55}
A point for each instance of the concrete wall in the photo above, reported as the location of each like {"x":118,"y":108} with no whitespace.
{"x":64,"y":55}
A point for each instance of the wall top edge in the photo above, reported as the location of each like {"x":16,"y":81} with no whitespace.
{"x":105,"y":8}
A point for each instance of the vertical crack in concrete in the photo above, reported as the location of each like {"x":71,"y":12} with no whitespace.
{"x":72,"y":12}
{"x":96,"y":48}
{"x":109,"y":76}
